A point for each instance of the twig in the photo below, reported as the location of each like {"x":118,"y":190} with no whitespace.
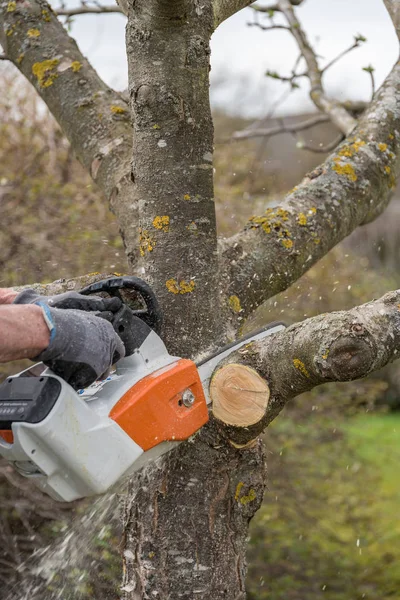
{"x":4,"y":57}
{"x":271,"y":131}
{"x":274,"y":7}
{"x":370,"y":70}
{"x":356,"y":44}
{"x":338,"y":115}
{"x":85,"y":10}
{"x":268,"y":28}
{"x":321,"y":149}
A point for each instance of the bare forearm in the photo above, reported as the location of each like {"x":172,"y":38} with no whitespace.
{"x":7,"y":295}
{"x":23,"y":332}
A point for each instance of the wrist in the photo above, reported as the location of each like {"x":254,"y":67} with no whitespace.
{"x":7,"y":295}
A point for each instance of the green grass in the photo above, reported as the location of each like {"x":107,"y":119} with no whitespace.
{"x":329,"y":526}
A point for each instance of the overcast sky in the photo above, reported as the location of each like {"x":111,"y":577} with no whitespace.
{"x":241,"y":54}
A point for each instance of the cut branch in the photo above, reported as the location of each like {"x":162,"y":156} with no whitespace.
{"x":4,"y":57}
{"x":339,"y":346}
{"x":351,"y":188}
{"x":338,"y":115}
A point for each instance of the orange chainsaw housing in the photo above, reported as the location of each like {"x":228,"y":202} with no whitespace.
{"x":152,"y":411}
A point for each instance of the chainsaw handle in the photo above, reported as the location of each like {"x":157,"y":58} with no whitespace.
{"x":151,"y":315}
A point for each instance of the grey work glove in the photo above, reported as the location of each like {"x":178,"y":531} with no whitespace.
{"x":83,"y":346}
{"x":69,"y":300}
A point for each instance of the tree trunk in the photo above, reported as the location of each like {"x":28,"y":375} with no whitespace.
{"x":186,"y":518}
{"x":172,"y":173}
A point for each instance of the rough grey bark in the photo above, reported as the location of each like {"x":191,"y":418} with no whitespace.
{"x":351,"y":188}
{"x":172,"y":174}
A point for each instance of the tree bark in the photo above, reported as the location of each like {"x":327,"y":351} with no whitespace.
{"x":172,"y":173}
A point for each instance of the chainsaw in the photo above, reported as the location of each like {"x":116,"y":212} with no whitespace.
{"x":78,"y":443}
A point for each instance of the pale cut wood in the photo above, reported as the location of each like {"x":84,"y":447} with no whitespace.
{"x":239,"y":395}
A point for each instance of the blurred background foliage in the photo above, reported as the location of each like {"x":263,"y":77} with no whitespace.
{"x":328,"y":527}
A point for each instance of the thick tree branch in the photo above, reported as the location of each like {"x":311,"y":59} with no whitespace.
{"x":393,"y":8}
{"x":4,"y":57}
{"x":351,"y":188}
{"x":338,"y":115}
{"x":223,"y":9}
{"x":95,"y":118}
{"x":339,"y":346}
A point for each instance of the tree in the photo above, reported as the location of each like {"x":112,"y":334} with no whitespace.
{"x":186,"y":518}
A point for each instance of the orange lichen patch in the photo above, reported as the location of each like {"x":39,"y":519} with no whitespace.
{"x":347,"y":170}
{"x":161,"y":223}
{"x":146,"y":243}
{"x":234,"y":304}
{"x":11,"y":6}
{"x":349,"y":150}
{"x":302,"y":219}
{"x":287,"y":243}
{"x":76,"y":66}
{"x":312,"y":210}
{"x":300,"y":366}
{"x":46,"y":15}
{"x":44,"y":72}
{"x":33,"y":33}
{"x":387,"y":170}
{"x":117,"y":110}
{"x":382,"y":147}
{"x":272,"y":219}
{"x":186,"y":197}
{"x":183,"y":287}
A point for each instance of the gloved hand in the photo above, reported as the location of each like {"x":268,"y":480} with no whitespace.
{"x":83,"y":346}
{"x":69,"y":300}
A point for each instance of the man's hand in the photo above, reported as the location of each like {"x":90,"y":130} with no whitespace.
{"x":69,"y":300}
{"x":83,"y":346}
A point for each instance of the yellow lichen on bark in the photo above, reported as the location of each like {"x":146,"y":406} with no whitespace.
{"x":183,"y":287}
{"x":146,"y":242}
{"x":33,"y":33}
{"x":161,"y":223}
{"x":302,"y":219}
{"x":347,"y":170}
{"x":117,"y":110}
{"x":76,"y":66}
{"x":300,"y":366}
{"x":44,"y":72}
{"x":234,"y":304}
{"x":11,"y":6}
{"x":382,"y":147}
